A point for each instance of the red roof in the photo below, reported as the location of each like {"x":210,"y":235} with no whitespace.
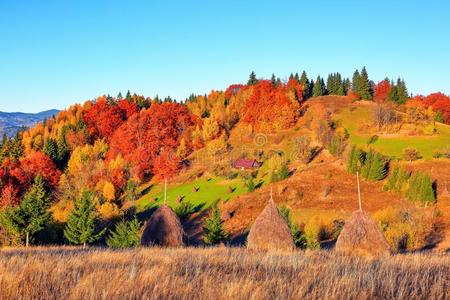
{"x":246,"y":163}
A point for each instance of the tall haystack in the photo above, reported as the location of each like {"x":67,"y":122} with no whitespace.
{"x":361,"y":236}
{"x":270,"y":231}
{"x":163,"y":229}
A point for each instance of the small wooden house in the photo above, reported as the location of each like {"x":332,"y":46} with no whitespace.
{"x":246,"y":164}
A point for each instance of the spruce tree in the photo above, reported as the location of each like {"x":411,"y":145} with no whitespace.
{"x":354,"y":160}
{"x":304,"y":82}
{"x":374,"y":166}
{"x":213,"y":228}
{"x":402,"y":91}
{"x":346,"y":86}
{"x":318,"y":88}
{"x":82,"y":221}
{"x":356,"y":82}
{"x":273,"y":80}
{"x":125,"y":234}
{"x":33,"y":213}
{"x":252,"y":79}
{"x":128,"y":95}
{"x":51,"y":149}
{"x":119,"y":96}
{"x":365,"y":90}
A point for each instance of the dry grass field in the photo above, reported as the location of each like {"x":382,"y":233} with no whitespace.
{"x":218,"y":273}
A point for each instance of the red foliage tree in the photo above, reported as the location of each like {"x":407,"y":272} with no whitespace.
{"x":381,"y":90}
{"x":127,"y":107}
{"x":38,"y":163}
{"x":166,"y":165}
{"x":270,"y":107}
{"x":103,"y":118}
{"x":439,"y":102}
{"x":141,"y":139}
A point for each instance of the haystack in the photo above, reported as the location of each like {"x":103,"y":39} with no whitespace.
{"x":361,"y":236}
{"x":270,"y":231}
{"x":163,"y":229}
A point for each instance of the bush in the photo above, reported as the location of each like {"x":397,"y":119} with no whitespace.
{"x":184,"y":209}
{"x":375,"y":166}
{"x":315,"y":231}
{"x":404,"y":229}
{"x":282,"y":174}
{"x":305,"y":151}
{"x":297,"y":235}
{"x":250,"y":185}
{"x":411,"y":154}
{"x":125,"y":235}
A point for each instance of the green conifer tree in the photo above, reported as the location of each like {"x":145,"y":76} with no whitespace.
{"x":32,"y":214}
{"x":252,"y":80}
{"x":318,"y":88}
{"x":365,"y":90}
{"x":354,"y":160}
{"x":82,"y":221}
{"x":356,"y":81}
{"x":214,"y":233}
{"x":125,"y":234}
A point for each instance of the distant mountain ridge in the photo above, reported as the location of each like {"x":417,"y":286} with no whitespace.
{"x":12,"y":122}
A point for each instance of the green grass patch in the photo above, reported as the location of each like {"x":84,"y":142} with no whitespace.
{"x":392,"y":146}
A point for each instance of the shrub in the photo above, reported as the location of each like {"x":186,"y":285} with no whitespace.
{"x":411,"y":154}
{"x":125,"y":234}
{"x":404,"y":229}
{"x":250,"y":185}
{"x":282,"y":174}
{"x":375,"y":166}
{"x":315,"y":231}
{"x":437,"y":154}
{"x":305,"y":151}
{"x":297,"y":235}
{"x":184,"y":209}
{"x":421,"y":188}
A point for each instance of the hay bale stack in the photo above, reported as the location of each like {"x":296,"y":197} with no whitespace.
{"x":361,"y":236}
{"x":270,"y":231}
{"x":163,"y":229}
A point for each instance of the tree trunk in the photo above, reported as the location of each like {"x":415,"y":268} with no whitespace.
{"x":27,"y":239}
{"x":84,"y":245}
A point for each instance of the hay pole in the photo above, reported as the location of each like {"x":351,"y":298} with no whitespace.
{"x":271,"y":197}
{"x":165,"y":190}
{"x":359,"y":191}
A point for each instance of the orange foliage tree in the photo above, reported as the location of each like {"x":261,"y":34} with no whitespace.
{"x":272,"y":107}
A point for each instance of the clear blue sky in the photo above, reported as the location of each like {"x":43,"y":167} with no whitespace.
{"x":55,"y":53}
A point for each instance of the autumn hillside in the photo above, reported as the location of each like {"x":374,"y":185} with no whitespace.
{"x":221,"y":153}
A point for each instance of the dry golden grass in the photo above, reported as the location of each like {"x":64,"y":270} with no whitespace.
{"x":218,"y":273}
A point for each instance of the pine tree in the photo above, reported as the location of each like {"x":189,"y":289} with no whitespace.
{"x":318,"y":89}
{"x":273,"y":80}
{"x":374,"y":167}
{"x":354,"y":160}
{"x":128,"y":96}
{"x":33,"y":212}
{"x":82,"y":221}
{"x":51,"y":149}
{"x":304,"y":82}
{"x":346,"y":85}
{"x":252,"y":79}
{"x":402,"y":91}
{"x":119,"y":96}
{"x":365,"y":90}
{"x":125,"y":234}
{"x":356,"y":82}
{"x":213,"y":228}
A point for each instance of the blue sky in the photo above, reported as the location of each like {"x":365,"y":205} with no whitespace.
{"x":55,"y":53}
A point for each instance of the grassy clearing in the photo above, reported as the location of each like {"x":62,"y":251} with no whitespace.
{"x":392,"y":145}
{"x":218,"y":273}
{"x":208,"y":191}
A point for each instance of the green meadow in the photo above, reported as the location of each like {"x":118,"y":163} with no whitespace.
{"x":393,"y":145}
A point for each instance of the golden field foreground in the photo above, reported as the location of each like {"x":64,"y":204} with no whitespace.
{"x":218,"y":273}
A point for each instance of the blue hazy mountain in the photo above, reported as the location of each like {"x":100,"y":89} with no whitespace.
{"x":12,"y":122}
